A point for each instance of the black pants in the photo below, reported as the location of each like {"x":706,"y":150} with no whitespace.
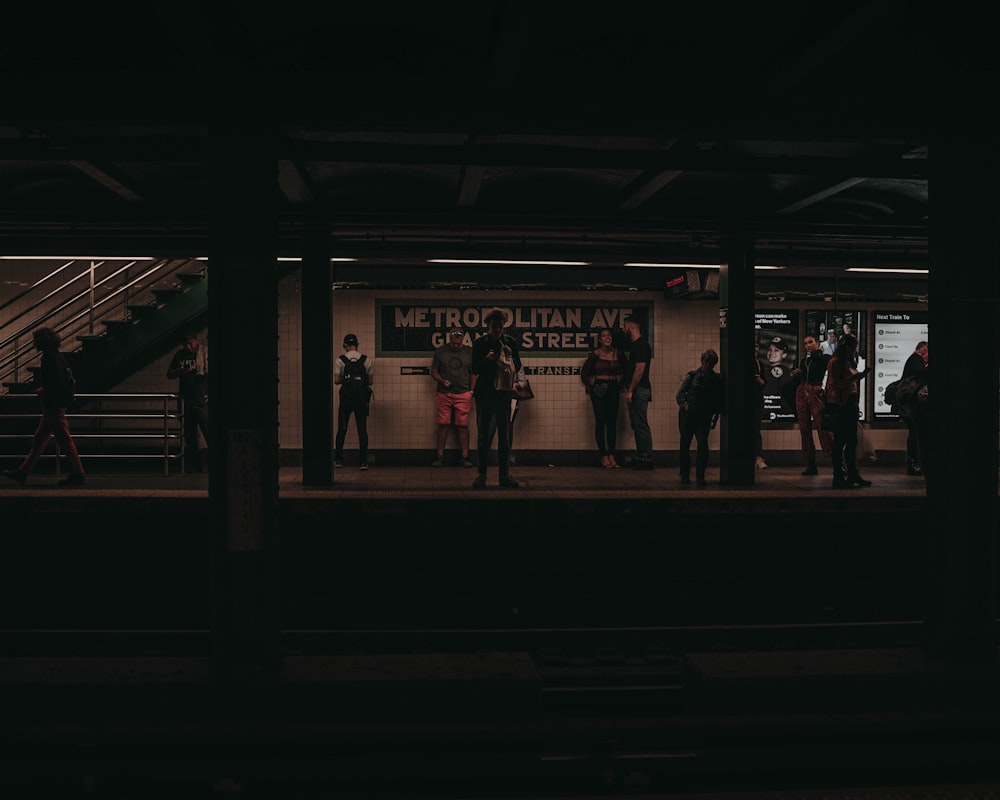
{"x":693,"y":425}
{"x":361,"y":422}
{"x":606,"y":420}
{"x":493,"y":416}
{"x":195,"y":419}
{"x":845,"y":443}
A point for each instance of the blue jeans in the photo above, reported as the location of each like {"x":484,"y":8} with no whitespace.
{"x":637,"y":411}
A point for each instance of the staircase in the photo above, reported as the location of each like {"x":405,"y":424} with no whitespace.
{"x":140,"y":309}
{"x":139,"y":321}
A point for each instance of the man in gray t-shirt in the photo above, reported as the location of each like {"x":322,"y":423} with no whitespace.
{"x":451,"y":370}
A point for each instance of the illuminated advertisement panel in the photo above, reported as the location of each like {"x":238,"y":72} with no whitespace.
{"x":778,"y":353}
{"x":828,"y":326}
{"x":897,"y":334}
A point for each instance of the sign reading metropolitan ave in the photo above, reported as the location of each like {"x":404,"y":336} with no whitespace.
{"x":544,"y":329}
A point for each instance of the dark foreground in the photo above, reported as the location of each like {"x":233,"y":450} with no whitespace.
{"x":564,"y":640}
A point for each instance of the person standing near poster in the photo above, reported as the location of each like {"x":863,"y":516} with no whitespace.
{"x":842,"y":397}
{"x":757,"y":392}
{"x":916,"y":369}
{"x":639,"y":392}
{"x":700,"y":400}
{"x":810,"y":399}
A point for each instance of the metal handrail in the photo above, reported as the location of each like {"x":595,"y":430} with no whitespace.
{"x":170,"y":434}
{"x":77,"y":315}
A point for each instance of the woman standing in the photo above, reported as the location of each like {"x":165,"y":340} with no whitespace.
{"x":842,"y":396}
{"x":602,"y":377}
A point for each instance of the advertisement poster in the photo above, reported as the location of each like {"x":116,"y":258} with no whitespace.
{"x":828,"y":327}
{"x":896,"y":336}
{"x":778,"y":353}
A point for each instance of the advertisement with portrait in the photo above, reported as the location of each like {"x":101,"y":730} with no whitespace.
{"x":829,"y":326}
{"x":777,"y":351}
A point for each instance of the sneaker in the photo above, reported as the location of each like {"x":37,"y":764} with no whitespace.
{"x":810,"y":469}
{"x":364,"y":467}
{"x":479,"y":482}
{"x":467,"y":462}
{"x":16,"y":475}
{"x":337,"y":464}
{"x":438,"y":462}
{"x":507,"y":482}
{"x":760,"y":463}
{"x":72,"y":480}
{"x":857,"y":480}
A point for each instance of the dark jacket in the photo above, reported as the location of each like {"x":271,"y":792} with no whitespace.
{"x":702,"y":392}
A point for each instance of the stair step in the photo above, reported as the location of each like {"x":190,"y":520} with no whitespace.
{"x":20,"y":387}
{"x":117,"y":324}
{"x":190,"y":277}
{"x":144,"y":310}
{"x":167,"y":292}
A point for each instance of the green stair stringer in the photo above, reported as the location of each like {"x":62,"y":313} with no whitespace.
{"x":127,"y":350}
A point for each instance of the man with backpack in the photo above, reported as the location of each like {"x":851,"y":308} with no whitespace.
{"x":354,"y":374}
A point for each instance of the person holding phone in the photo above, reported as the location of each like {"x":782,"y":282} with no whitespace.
{"x":842,"y":409}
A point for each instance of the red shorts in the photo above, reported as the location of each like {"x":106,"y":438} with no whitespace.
{"x":453,"y":409}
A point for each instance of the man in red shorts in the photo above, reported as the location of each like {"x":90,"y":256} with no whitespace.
{"x":450,"y":370}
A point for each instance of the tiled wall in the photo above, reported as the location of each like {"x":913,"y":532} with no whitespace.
{"x":559,"y":418}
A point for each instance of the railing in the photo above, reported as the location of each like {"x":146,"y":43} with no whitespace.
{"x":71,"y":299}
{"x":146,"y":428}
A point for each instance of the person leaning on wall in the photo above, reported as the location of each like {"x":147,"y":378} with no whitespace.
{"x":601,"y":375}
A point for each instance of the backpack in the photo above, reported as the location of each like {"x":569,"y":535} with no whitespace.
{"x":354,"y":386}
{"x":63,"y":393}
{"x":506,"y":371}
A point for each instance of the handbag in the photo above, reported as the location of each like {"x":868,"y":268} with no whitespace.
{"x":600,"y":388}
{"x":522,"y":389}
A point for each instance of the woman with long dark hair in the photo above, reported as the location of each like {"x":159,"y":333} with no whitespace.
{"x":842,"y":409}
{"x":602,"y":378}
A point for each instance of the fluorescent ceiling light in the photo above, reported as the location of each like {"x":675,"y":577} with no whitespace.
{"x":888,"y":269}
{"x":505,"y":261}
{"x":672,"y":266}
{"x":686,"y":266}
{"x":78,"y":258}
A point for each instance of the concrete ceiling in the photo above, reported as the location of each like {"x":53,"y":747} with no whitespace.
{"x":624,"y":131}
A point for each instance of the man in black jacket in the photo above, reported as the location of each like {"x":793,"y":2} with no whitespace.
{"x":915,"y":367}
{"x":492,"y":404}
